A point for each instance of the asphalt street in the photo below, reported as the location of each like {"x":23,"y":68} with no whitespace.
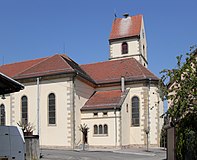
{"x":51,"y":154}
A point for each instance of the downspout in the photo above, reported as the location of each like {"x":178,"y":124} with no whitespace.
{"x":11,"y":109}
{"x":73,"y":111}
{"x":148,"y":115}
{"x":38,"y":106}
{"x":115,"y":127}
{"x":121,"y":128}
{"x":122,"y":90}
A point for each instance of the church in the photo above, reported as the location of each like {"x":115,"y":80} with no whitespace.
{"x":117,"y":99}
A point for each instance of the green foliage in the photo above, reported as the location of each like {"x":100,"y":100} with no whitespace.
{"x":179,"y":87}
{"x":163,"y":137}
{"x":187,"y":137}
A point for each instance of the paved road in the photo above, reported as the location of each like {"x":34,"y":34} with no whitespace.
{"x":98,"y":155}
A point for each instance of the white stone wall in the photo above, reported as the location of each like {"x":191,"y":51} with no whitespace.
{"x":112,"y":138}
{"x":55,"y":135}
{"x":6,"y":102}
{"x":137,"y":133}
{"x":116,"y":51}
{"x":130,"y":135}
{"x":50,"y":135}
{"x":120,"y":131}
{"x":82,"y":94}
{"x":125,"y":121}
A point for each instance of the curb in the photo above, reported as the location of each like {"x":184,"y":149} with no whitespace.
{"x":119,"y":151}
{"x":136,"y":153}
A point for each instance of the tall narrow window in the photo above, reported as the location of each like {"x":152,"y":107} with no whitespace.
{"x":124,"y":48}
{"x":51,"y":109}
{"x":95,"y":129}
{"x":135,"y":111}
{"x":2,"y":114}
{"x":100,"y":129}
{"x":24,"y":109}
{"x":105,"y":129}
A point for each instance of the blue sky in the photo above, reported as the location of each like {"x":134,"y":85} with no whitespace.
{"x":39,"y":28}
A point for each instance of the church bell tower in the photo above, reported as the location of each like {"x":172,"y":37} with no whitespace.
{"x":128,"y":39}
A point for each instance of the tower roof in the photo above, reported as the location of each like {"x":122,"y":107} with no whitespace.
{"x":128,"y":26}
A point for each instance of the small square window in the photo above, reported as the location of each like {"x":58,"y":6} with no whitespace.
{"x":104,"y":113}
{"x":95,"y":113}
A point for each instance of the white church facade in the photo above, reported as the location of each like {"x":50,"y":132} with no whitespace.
{"x":117,"y":99}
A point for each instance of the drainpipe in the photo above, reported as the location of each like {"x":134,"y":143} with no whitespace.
{"x":38,"y":106}
{"x":122,"y":90}
{"x":73,"y":111}
{"x":11,"y":109}
{"x":148,"y":115}
{"x":115,"y":127}
{"x":121,"y":128}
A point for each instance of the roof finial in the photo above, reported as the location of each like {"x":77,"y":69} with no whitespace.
{"x":126,"y":15}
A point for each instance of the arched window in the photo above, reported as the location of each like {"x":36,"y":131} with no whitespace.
{"x":135,"y":111}
{"x":24,"y":109}
{"x":2,"y":115}
{"x":124,"y":48}
{"x":95,"y":129}
{"x":100,"y":129}
{"x":105,"y":129}
{"x":51,"y":109}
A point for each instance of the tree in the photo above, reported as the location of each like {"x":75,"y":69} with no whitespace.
{"x":179,"y":88}
{"x":27,"y":128}
{"x":84,"y":129}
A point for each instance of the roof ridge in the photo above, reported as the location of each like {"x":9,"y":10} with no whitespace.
{"x":24,"y":61}
{"x":109,"y":90}
{"x":137,"y":63}
{"x":108,"y":61}
{"x":65,"y":56}
{"x":44,"y":59}
{"x":68,"y":58}
{"x":77,"y":68}
{"x":130,"y":16}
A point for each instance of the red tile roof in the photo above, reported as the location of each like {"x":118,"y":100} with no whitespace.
{"x":126,"y":27}
{"x":51,"y":65}
{"x":112,"y":71}
{"x":56,"y":64}
{"x":97,"y":73}
{"x":13,"y":69}
{"x":103,"y":100}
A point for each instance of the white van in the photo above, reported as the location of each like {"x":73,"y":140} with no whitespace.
{"x":12,"y":143}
